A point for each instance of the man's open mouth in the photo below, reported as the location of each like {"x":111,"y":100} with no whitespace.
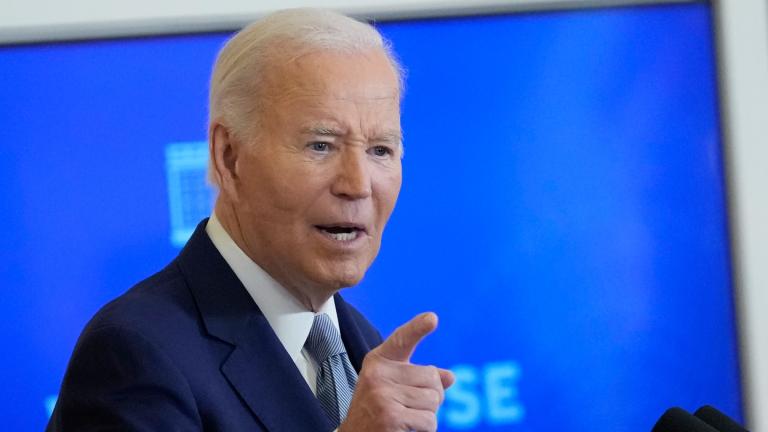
{"x":346,"y":232}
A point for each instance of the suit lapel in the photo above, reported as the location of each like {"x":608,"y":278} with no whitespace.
{"x":354,"y":341}
{"x":264,"y":375}
{"x":258,"y":368}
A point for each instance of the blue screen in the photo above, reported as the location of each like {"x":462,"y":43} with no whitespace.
{"x":563,"y":209}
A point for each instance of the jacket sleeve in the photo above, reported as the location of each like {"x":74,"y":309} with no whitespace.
{"x":117,"y":380}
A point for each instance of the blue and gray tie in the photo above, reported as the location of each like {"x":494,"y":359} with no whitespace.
{"x":336,"y":378}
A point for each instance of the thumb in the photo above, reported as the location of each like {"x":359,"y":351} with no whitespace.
{"x":399,"y":346}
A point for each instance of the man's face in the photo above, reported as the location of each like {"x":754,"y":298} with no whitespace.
{"x":317,"y":185}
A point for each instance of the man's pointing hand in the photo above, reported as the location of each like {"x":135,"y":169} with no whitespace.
{"x":394,"y":395}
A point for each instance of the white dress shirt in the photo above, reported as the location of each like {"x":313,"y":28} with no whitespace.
{"x":290,"y":320}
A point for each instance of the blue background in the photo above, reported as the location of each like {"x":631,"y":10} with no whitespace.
{"x":562,"y":208}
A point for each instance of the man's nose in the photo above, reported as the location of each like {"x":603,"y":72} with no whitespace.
{"x":353,"y":179}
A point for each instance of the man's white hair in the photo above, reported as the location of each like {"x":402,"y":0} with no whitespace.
{"x":237,"y":78}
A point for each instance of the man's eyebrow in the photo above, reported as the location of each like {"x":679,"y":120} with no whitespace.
{"x":391,"y":136}
{"x":322,"y":130}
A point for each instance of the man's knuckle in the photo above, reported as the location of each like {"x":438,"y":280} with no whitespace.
{"x":434,"y":376}
{"x":372,"y":370}
{"x":375,"y":375}
{"x":435,"y":397}
{"x":433,"y":371}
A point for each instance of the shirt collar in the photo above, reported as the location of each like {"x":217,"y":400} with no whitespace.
{"x":289,"y":319}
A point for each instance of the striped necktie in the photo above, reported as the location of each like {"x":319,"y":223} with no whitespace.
{"x":336,"y":378}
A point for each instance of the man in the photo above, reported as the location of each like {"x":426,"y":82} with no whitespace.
{"x":244,"y":330}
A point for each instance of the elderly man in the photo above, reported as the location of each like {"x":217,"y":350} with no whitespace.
{"x":244,"y":330}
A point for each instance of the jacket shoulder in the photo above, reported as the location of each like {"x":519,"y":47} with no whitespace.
{"x":159,"y":308}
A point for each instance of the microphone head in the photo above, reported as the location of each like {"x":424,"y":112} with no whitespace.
{"x":718,"y":420}
{"x":679,"y":420}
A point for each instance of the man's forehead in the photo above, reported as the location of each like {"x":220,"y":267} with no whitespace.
{"x":334,"y":95}
{"x":321,"y":70}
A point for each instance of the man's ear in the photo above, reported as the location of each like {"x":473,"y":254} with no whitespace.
{"x":224,"y":150}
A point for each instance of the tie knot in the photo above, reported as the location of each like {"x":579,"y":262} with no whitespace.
{"x":323,"y":340}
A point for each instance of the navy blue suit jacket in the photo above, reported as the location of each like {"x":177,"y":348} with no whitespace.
{"x":188,"y":349}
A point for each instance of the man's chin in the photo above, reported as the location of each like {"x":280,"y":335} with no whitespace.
{"x":347,"y":280}
{"x":341,"y":271}
{"x":344,"y":278}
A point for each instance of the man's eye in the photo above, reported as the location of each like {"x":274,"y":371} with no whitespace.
{"x":381,"y":151}
{"x":319,"y":146}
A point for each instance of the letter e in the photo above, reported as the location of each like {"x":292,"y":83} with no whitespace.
{"x":501,"y":393}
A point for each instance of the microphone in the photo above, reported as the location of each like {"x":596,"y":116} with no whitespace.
{"x":718,"y":420}
{"x":679,"y":420}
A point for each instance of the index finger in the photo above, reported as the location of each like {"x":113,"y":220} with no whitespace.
{"x":399,"y":346}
